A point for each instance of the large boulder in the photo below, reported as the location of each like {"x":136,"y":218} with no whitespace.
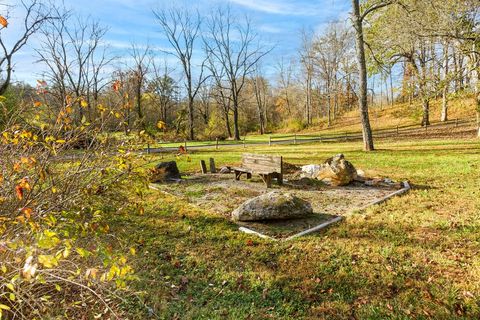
{"x":165,"y":171}
{"x":272,"y":206}
{"x":335,"y":170}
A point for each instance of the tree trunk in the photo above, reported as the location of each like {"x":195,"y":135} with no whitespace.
{"x":426,"y":111}
{"x":362,"y":97}
{"x":139,"y":106}
{"x":391,"y":87}
{"x":6,"y":82}
{"x":309,"y":97}
{"x":446,"y":83}
{"x":227,"y":124}
{"x":477,"y":89}
{"x":191,"y":134}
{"x":236,"y":131}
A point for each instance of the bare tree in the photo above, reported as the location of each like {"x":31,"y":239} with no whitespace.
{"x":182,"y":29}
{"x":329,"y":51}
{"x":140,"y":68}
{"x":37,"y":13}
{"x":307,"y":61}
{"x":204,"y":106}
{"x":164,"y":90}
{"x":285,"y":79}
{"x":75,"y":62}
{"x":260,"y":88}
{"x":221,"y":94}
{"x":236,"y":56}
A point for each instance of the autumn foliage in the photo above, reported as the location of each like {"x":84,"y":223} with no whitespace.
{"x":54,"y":208}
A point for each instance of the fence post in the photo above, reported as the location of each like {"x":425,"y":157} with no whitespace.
{"x":397,"y":130}
{"x":346,"y":136}
{"x":295,"y":138}
{"x":244,"y":143}
{"x":426,"y":129}
{"x":148,"y":148}
{"x":269,"y":140}
{"x":185,"y":145}
{"x":216,"y":143}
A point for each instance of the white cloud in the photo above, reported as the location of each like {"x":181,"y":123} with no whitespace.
{"x":291,"y":8}
{"x":270,"y":29}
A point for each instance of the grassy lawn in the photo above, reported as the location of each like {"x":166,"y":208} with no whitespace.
{"x":414,"y":257}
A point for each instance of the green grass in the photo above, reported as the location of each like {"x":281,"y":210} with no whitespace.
{"x":414,"y":257}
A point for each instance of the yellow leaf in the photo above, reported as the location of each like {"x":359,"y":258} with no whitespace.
{"x":4,"y":307}
{"x":27,"y":212}
{"x":83,"y":103}
{"x":10,"y":286}
{"x":48,"y":261}
{"x":161,"y":125}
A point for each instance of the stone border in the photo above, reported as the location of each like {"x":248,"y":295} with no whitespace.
{"x":406,"y":188}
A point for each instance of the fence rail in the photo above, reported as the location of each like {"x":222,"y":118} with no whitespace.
{"x":397,"y":131}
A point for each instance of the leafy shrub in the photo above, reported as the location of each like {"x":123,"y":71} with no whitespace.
{"x":293,"y":125}
{"x":56,"y":258}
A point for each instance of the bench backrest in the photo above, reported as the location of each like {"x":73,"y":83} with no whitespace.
{"x":262,"y":163}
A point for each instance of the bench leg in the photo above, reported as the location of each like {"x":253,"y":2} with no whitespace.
{"x":249,"y":175}
{"x":237,"y":175}
{"x":280,"y":178}
{"x":267,"y":179}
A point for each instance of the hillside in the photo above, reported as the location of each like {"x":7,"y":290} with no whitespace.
{"x":400,"y":114}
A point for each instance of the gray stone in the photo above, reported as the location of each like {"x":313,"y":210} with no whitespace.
{"x":165,"y":171}
{"x":335,"y":170}
{"x":272,"y":206}
{"x":224,"y":170}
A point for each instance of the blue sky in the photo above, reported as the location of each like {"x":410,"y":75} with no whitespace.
{"x":131,"y":21}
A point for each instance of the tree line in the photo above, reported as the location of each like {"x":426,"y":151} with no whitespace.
{"x":230,"y":83}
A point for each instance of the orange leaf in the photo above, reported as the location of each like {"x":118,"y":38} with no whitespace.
{"x":19,"y":192}
{"x":3,"y":22}
{"x":27,"y":212}
{"x":116,"y":86}
{"x":25,"y":184}
{"x":37,"y":104}
{"x":68,"y":100}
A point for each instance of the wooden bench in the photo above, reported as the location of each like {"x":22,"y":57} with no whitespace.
{"x":267,"y":167}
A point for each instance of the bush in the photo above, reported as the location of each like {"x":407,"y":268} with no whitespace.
{"x":293,"y":125}
{"x":55,"y":205}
